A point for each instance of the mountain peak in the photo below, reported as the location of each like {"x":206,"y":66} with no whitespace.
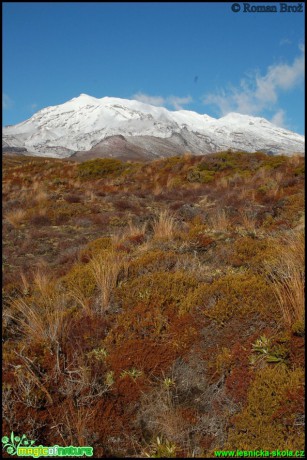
{"x":85,"y":96}
{"x":85,"y":122}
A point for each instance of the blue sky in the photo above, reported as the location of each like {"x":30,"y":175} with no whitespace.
{"x":195,"y":56}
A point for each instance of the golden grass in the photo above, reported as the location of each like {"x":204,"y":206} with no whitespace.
{"x":106,"y":268}
{"x":134,"y":230}
{"x":219,"y":220}
{"x":205,"y":202}
{"x":287,"y":274}
{"x":81,"y":299}
{"x":41,"y":197}
{"x":295,"y":160}
{"x":16,"y":217}
{"x":223,"y":183}
{"x":41,"y":320}
{"x":157,"y":190}
{"x":41,"y":316}
{"x":164,"y":225}
{"x":90,"y":194}
{"x":25,"y":283}
{"x":248,"y":221}
{"x":43,"y":282}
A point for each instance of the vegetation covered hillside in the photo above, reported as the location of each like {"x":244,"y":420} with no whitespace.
{"x":155,"y":309}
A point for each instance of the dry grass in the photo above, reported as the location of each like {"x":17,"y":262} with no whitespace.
{"x":205,"y":202}
{"x":76,"y":421}
{"x":90,"y":194}
{"x":295,"y":160}
{"x":78,"y":296}
{"x":106,"y":268}
{"x":41,"y":320}
{"x":164,"y":226}
{"x":223,"y":182}
{"x":43,"y":282}
{"x":279,"y":176}
{"x":36,"y":185}
{"x":25,"y":283}
{"x":157,"y":190}
{"x":288,"y":277}
{"x":248,"y":220}
{"x":16,"y":217}
{"x":134,"y":231}
{"x":41,"y":197}
{"x":219,"y":221}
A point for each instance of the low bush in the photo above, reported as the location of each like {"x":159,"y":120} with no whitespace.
{"x":80,"y":278}
{"x":233,"y":295}
{"x":161,"y":289}
{"x":201,"y":176}
{"x":100,"y":167}
{"x":275,"y":407}
{"x":95,"y":247}
{"x":253,"y":253}
{"x":152,"y":261}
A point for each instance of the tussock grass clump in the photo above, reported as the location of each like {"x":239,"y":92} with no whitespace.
{"x":41,"y":196}
{"x":105,"y":268}
{"x":42,"y":317}
{"x":164,"y":225}
{"x":219,"y":221}
{"x":79,"y":284}
{"x":287,"y":274}
{"x":42,"y":323}
{"x":16,"y":217}
{"x":132,"y":233}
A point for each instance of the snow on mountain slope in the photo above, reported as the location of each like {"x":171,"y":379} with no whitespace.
{"x":85,"y":123}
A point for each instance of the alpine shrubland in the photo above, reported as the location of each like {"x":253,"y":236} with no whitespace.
{"x":155,"y":309}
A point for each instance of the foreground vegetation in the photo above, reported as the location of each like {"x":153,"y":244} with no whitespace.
{"x":155,"y":309}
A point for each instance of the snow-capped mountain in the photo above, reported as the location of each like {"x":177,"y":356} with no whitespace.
{"x":88,"y":127}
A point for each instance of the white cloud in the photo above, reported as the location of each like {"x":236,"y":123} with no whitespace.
{"x":174,"y":101}
{"x":7,"y":102}
{"x":285,"y":41}
{"x":279,"y":118}
{"x":153,"y":100}
{"x":257,"y":92}
{"x":178,"y":102}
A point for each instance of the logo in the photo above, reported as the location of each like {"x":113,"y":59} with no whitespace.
{"x":14,"y":442}
{"x":248,"y":7}
{"x":236,"y":7}
{"x":23,"y":447}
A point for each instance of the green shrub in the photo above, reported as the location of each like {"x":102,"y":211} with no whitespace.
{"x":97,"y":246}
{"x":298,"y":328}
{"x":274,"y":162}
{"x":152,"y":261}
{"x":161,"y":289}
{"x":80,"y":278}
{"x":252,"y":253}
{"x":100,"y":167}
{"x":299,"y":170}
{"x":232,"y":295}
{"x":275,"y":404}
{"x":173,"y":164}
{"x":203,"y":177}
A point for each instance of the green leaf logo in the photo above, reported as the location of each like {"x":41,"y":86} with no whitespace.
{"x":11,"y":444}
